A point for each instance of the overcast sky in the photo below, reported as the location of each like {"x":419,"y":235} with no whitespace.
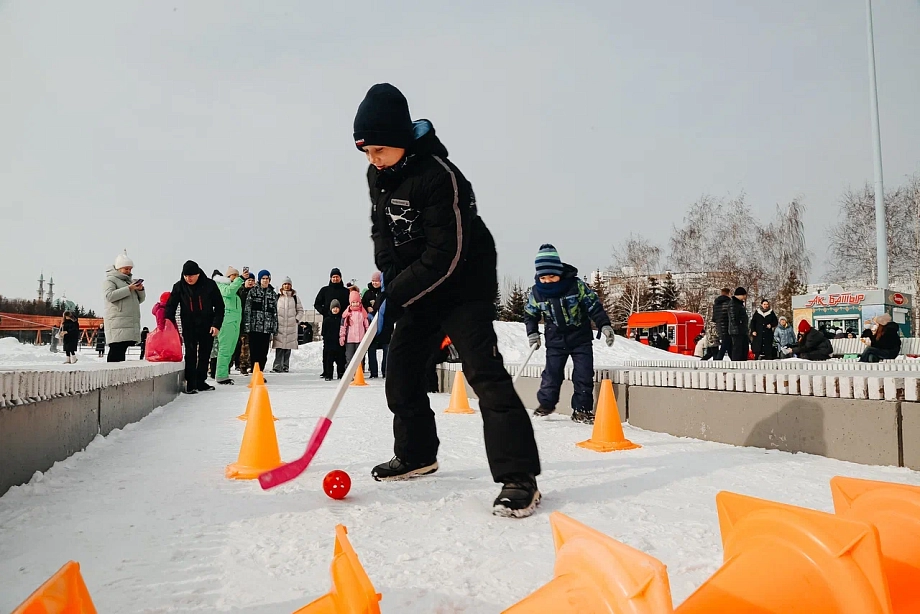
{"x":221,"y":130}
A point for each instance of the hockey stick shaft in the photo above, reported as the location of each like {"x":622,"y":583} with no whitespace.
{"x":533,"y":349}
{"x":289,"y":471}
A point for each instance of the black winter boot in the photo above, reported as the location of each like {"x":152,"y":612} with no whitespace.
{"x":542,"y":411}
{"x":582,"y":416}
{"x":396,"y":469}
{"x":519,"y":497}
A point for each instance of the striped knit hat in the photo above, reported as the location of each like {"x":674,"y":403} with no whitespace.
{"x":548,"y":261}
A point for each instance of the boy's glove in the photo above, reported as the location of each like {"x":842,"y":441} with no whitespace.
{"x":534,"y":340}
{"x":608,"y":333}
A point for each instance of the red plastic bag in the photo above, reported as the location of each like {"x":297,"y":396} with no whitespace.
{"x":164,"y":345}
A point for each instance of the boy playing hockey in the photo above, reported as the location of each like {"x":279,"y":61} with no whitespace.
{"x":567,"y":306}
{"x":439,"y":268}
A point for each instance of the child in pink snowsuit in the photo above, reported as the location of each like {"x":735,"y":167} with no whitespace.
{"x":159,"y":310}
{"x":354,"y":325}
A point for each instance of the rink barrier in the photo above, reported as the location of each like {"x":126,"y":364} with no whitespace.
{"x":48,"y":415}
{"x":864,"y":413}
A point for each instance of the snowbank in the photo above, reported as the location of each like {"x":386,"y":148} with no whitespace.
{"x":512,"y":343}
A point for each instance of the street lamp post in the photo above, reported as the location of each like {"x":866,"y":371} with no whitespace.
{"x":881,"y":223}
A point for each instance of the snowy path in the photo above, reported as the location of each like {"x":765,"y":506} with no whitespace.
{"x":157,"y":528}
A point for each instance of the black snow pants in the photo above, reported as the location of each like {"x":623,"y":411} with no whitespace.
{"x":582,"y":377}
{"x":198,"y":344}
{"x":509,"y":439}
{"x":333,"y":354}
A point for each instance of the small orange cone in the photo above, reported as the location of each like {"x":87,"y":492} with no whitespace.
{"x":259,"y":452}
{"x":359,"y":378}
{"x":894,"y":510}
{"x":63,"y":593}
{"x":459,"y":401}
{"x":257,"y":378}
{"x":352,"y":591}
{"x":782,"y":559}
{"x":595,"y":573}
{"x":607,"y":435}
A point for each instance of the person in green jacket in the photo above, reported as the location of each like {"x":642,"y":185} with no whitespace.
{"x":230,"y":331}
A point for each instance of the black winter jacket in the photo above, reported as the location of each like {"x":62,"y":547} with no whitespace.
{"x":331,"y":325}
{"x":370,"y":300}
{"x":720,"y":308}
{"x":813,"y":345}
{"x":329,"y":293}
{"x":890,"y":339}
{"x":429,"y":241}
{"x":100,"y":340}
{"x":202,"y":304}
{"x":72,"y":338}
{"x":737,"y":318}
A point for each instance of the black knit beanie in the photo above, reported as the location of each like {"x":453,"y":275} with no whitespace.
{"x":383,"y":119}
{"x":191,"y":268}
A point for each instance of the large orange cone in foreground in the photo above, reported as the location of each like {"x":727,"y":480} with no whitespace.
{"x":259,"y":452}
{"x":894,"y":510}
{"x":607,"y":435}
{"x":459,"y":401}
{"x":781,"y":559}
{"x":595,"y":573}
{"x":359,"y":378}
{"x":352,"y":591}
{"x":257,"y":378}
{"x":63,"y":593}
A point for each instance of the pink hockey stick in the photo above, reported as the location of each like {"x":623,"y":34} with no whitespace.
{"x":289,"y":471}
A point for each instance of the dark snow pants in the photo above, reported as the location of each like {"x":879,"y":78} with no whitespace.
{"x":740,"y":346}
{"x":510,"y":444}
{"x":725,"y":348}
{"x":582,"y":377}
{"x":198,"y":344}
{"x":333,"y":355}
{"x":258,"y":349}
{"x":118,"y":350}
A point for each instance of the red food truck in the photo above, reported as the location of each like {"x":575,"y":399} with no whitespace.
{"x":680,"y":327}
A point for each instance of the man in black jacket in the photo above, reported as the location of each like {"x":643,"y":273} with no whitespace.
{"x":202,"y":316}
{"x":738,"y":325}
{"x":720,"y":319}
{"x":335,"y":291}
{"x":439,"y":264}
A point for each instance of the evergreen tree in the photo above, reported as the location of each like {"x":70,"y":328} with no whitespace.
{"x":601,"y":288}
{"x":655,"y":297}
{"x":791,"y":287}
{"x":497,"y":304}
{"x":513,"y":310}
{"x":670,"y":293}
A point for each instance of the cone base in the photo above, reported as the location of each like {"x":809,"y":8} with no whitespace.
{"x":353,"y":385}
{"x":608,"y":446}
{"x":242,"y":472}
{"x":462,"y":410}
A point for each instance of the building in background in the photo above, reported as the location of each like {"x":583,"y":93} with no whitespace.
{"x":849,"y":309}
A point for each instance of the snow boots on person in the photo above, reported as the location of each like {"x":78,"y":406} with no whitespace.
{"x":204,"y":387}
{"x":396,"y":469}
{"x":68,"y":361}
{"x":542,"y":411}
{"x":226,"y":382}
{"x":582,"y":416}
{"x":73,"y":359}
{"x":519,"y":497}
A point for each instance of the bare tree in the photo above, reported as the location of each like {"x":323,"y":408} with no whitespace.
{"x":634,"y":261}
{"x":852,"y":249}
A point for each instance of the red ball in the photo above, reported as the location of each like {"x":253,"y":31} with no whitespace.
{"x":336,"y":484}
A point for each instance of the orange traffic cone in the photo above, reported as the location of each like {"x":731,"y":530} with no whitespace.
{"x":257,"y":378}
{"x":252,"y":395}
{"x":894,"y":510}
{"x":595,"y":573}
{"x":359,"y":378}
{"x":63,"y":593}
{"x":782,"y":559}
{"x":259,"y":451}
{"x":459,"y":401}
{"x":352,"y":591}
{"x":607,"y":435}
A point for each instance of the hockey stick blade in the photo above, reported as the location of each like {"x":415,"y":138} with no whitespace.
{"x":289,"y":471}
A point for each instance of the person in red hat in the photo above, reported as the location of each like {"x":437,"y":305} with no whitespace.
{"x":811,"y":344}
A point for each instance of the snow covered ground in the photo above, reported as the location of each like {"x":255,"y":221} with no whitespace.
{"x":157,"y":528}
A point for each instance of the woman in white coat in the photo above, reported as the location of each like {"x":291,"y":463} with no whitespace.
{"x":290,"y":313}
{"x":123,"y":298}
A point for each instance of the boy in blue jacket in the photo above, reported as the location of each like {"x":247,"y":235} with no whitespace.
{"x":567,"y":306}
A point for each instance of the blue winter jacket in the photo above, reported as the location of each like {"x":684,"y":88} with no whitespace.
{"x":567,"y":308}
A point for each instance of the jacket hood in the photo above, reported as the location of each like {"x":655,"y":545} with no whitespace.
{"x":113,"y":272}
{"x":426,"y":141}
{"x":764,"y":313}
